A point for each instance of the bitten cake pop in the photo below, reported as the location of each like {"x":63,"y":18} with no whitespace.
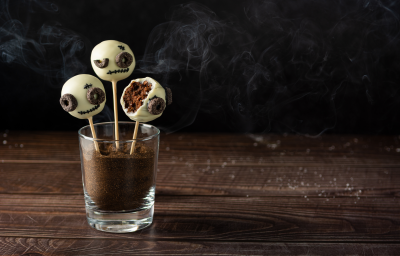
{"x":83,"y":96}
{"x":113,"y":61}
{"x":144,"y":100}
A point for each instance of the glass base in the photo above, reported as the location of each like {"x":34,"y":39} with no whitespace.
{"x":120,"y":222}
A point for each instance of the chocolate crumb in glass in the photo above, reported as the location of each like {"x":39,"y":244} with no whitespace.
{"x":135,"y":94}
{"x":116,"y":180}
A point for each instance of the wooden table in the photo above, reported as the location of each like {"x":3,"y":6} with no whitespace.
{"x":217,"y":194}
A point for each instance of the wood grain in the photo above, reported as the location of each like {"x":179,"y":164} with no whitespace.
{"x":229,"y":181}
{"x":215,"y":218}
{"x":223,"y":150}
{"x":217,"y":194}
{"x":16,"y":246}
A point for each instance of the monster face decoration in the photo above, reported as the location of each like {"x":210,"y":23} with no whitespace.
{"x":112,"y":60}
{"x":144,"y":99}
{"x":83,"y":96}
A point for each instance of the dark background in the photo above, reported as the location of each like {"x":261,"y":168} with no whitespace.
{"x":307,"y":67}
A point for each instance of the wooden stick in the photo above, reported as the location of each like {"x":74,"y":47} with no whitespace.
{"x":114,"y":85}
{"x":93,"y":134}
{"x":134,"y":137}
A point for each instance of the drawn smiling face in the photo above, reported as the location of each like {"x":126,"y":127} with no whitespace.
{"x":83,"y":96}
{"x":112,"y":60}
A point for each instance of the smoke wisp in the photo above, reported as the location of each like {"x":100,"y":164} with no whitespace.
{"x":295,"y":66}
{"x":52,"y":51}
{"x":281,"y":66}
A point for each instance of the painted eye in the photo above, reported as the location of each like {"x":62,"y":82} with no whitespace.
{"x":68,"y":102}
{"x":124,"y":59}
{"x":156,"y":106}
{"x":95,"y":96}
{"x":101,"y":63}
{"x":168,"y":95}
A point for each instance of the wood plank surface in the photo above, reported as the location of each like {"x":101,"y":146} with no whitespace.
{"x":221,"y":150}
{"x":217,"y":194}
{"x":215,"y":218}
{"x":82,"y":247}
{"x":362,"y":181}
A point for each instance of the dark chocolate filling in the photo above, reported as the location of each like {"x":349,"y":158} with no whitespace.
{"x":118,"y":71}
{"x":135,"y":94}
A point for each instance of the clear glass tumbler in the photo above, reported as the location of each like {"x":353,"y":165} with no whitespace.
{"x":119,"y":177}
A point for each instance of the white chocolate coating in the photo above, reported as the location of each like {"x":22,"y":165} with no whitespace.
{"x":142,"y":115}
{"x":110,"y":49}
{"x":75,"y":86}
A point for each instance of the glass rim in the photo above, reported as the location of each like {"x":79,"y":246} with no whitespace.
{"x":119,"y":122}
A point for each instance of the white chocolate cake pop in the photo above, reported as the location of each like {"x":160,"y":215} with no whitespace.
{"x":112,"y":60}
{"x":83,"y":96}
{"x":144,"y":99}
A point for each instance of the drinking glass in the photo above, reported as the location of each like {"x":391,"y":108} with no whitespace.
{"x":119,"y":177}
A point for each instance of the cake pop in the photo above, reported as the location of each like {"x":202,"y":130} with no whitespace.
{"x":83,"y":96}
{"x":113,"y":61}
{"x":144,"y":100}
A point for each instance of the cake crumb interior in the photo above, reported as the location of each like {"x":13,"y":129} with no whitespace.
{"x":135,"y":94}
